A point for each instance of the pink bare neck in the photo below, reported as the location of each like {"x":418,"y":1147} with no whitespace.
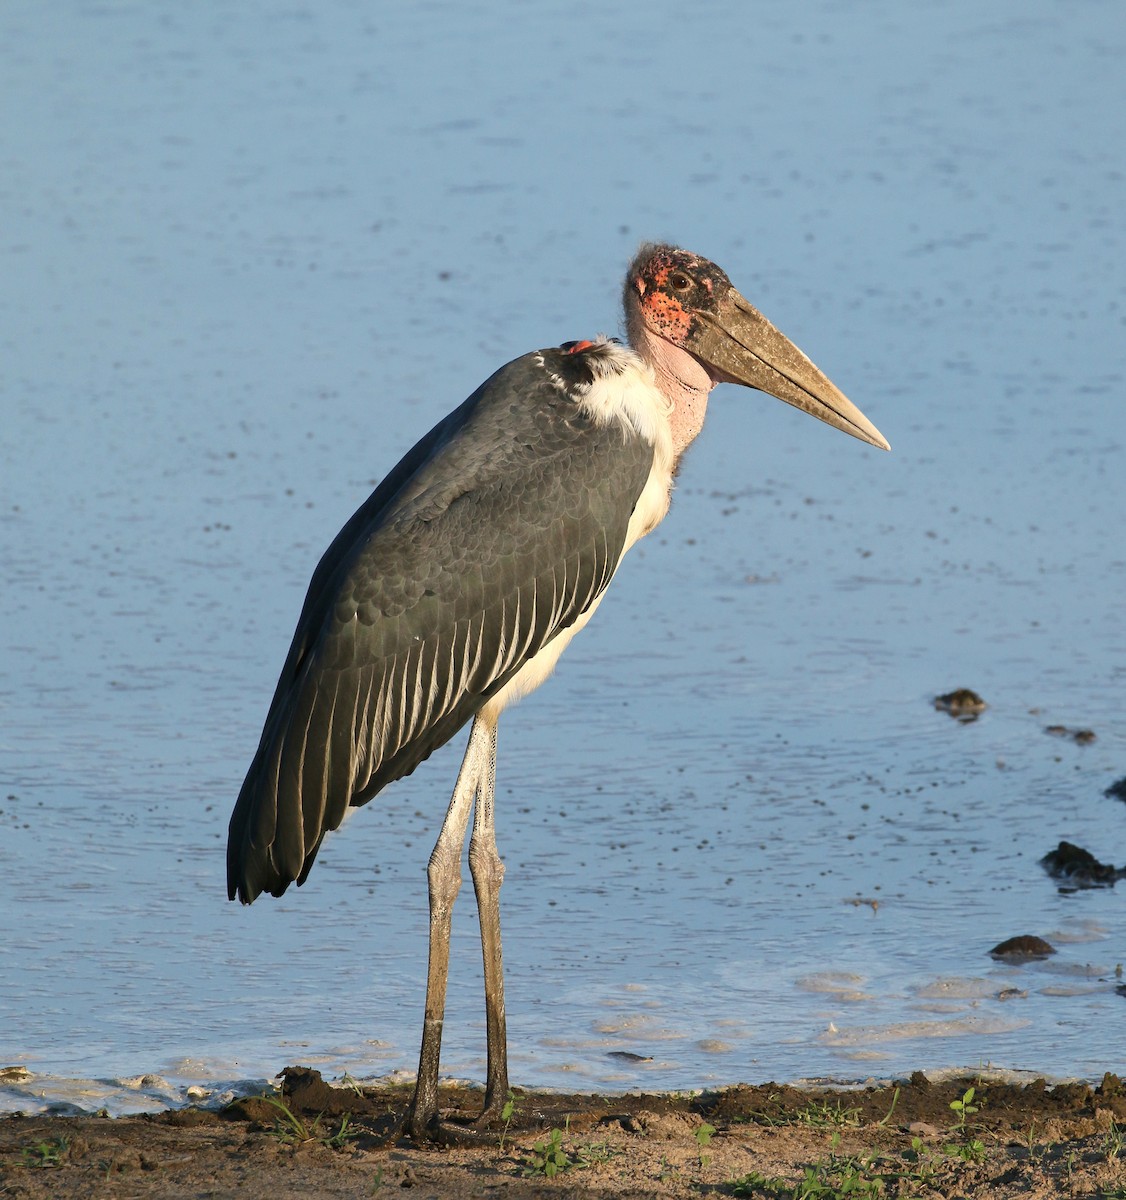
{"x":682,"y":380}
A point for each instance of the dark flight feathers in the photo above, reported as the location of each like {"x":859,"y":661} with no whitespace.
{"x":493,"y":534}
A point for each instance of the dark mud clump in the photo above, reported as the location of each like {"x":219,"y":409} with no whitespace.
{"x":964,"y":704}
{"x":1081,"y":737}
{"x":1026,"y":948}
{"x":1074,"y":868}
{"x":1117,"y":790}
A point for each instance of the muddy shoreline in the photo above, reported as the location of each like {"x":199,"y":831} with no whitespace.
{"x":969,"y":1137}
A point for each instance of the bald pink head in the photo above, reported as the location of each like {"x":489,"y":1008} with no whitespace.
{"x":687,"y":320}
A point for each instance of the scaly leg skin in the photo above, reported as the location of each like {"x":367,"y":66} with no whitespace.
{"x":474,"y":789}
{"x":444,"y":876}
{"x":488,"y":874}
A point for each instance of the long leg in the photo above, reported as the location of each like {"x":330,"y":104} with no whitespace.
{"x":444,"y":876}
{"x":488,"y":874}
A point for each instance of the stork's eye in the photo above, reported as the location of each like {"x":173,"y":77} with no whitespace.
{"x":679,"y":281}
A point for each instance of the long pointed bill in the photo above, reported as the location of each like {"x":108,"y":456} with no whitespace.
{"x":742,"y":346}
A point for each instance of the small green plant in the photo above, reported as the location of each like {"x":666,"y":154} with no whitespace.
{"x":506,"y":1115}
{"x":548,"y":1158}
{"x":760,"y":1116}
{"x":835,"y":1178}
{"x":851,"y":1178}
{"x":593,"y":1152}
{"x":819,"y":1114}
{"x":49,"y":1153}
{"x":971,"y":1150}
{"x":704,"y":1134}
{"x":1037,"y":1152}
{"x":342,"y":1136}
{"x":964,"y":1108}
{"x":924,"y":1164}
{"x":754,"y":1183}
{"x":1113,"y":1142}
{"x":294,"y":1131}
{"x":290,"y":1128}
{"x":894,"y":1102}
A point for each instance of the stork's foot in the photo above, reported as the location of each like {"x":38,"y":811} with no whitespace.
{"x":451,"y":1134}
{"x":431,"y":1129}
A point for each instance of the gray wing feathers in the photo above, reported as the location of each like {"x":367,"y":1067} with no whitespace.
{"x":495,"y":533}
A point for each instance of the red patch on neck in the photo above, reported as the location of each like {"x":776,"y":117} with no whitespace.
{"x":579,"y":347}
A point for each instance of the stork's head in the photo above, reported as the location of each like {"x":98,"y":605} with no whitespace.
{"x":676,"y":301}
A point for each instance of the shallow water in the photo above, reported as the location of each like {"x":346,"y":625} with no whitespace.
{"x":246,"y":259}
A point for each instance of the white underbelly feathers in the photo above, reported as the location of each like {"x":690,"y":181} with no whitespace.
{"x":625,"y":391}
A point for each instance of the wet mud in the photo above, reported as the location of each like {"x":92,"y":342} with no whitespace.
{"x":971,"y":1137}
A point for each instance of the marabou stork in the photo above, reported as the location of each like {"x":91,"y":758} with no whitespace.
{"x":460,"y":581}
